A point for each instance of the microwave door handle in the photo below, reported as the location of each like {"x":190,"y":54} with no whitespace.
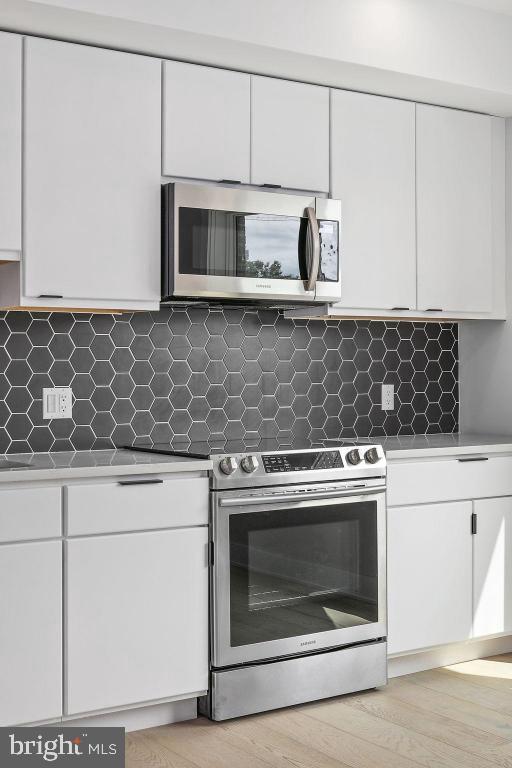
{"x":313,"y":249}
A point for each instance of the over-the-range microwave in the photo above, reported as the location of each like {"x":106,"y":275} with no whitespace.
{"x":230,"y":244}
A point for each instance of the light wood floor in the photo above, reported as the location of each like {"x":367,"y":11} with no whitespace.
{"x":445,"y":718}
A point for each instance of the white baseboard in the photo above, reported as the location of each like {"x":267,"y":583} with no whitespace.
{"x":141,"y":717}
{"x":447,"y":654}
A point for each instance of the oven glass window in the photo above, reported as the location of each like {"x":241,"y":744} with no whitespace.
{"x":265,"y":246}
{"x":300,"y":571}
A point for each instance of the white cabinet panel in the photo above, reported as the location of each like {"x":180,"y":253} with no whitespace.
{"x":373,"y":174}
{"x":429,"y":575}
{"x":454,"y":208}
{"x":137,"y":618}
{"x":290,"y":134}
{"x":206,"y":122}
{"x":492,"y":573}
{"x":91,"y":174}
{"x":30,"y":632}
{"x":10,"y":142}
{"x":30,"y":513}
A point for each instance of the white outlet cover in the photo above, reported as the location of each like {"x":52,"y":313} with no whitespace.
{"x":388,"y":397}
{"x":57,"y":402}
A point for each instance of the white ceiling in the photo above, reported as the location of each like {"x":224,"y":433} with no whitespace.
{"x":499,"y":6}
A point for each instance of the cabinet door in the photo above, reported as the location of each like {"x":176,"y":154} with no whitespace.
{"x":455,"y":262}
{"x":136,"y":617}
{"x":290,"y":134}
{"x":30,"y":632}
{"x":92,"y":173}
{"x":492,"y":572}
{"x":206,"y":122}
{"x":10,"y":143}
{"x":429,"y":575}
{"x":372,"y":173}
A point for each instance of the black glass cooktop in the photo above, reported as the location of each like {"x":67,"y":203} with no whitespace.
{"x":203,"y":450}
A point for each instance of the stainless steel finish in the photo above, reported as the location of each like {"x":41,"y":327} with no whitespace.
{"x":262,"y":479}
{"x":249,"y":201}
{"x":249,"y":464}
{"x":313,"y":249}
{"x":284,"y":683}
{"x":222,"y":653}
{"x":301,"y":494}
{"x":228,"y":465}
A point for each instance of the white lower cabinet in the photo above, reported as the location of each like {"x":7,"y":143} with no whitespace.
{"x":429,"y":575}
{"x":30,"y":632}
{"x":492,"y":571}
{"x":136,"y":618}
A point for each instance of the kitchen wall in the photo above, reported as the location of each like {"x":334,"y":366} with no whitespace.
{"x":192,"y":373}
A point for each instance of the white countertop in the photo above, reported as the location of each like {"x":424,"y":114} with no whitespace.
{"x":430,"y":446}
{"x":67,"y":465}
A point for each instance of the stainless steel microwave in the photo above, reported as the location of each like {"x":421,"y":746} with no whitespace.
{"x":231,"y":244}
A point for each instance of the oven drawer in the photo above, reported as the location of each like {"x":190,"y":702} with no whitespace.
{"x":448,"y":479}
{"x":136,"y":503}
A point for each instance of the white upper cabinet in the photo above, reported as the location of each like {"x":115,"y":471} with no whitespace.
{"x":10,"y":145}
{"x":454,"y":210}
{"x":92,"y":177}
{"x":206,"y":123}
{"x":492,"y":570}
{"x":372,"y":173}
{"x":290,"y":134}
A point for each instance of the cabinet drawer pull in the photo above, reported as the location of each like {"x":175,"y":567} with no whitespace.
{"x":434,"y":309}
{"x":229,"y":181}
{"x":473,"y":458}
{"x":474,"y":524}
{"x":400,"y":309}
{"x":50,"y":296}
{"x":271,"y":186}
{"x":149,"y":481}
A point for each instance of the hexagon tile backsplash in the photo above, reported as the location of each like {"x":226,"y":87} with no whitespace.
{"x":191,"y":373}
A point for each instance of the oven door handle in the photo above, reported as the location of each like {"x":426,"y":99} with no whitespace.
{"x":281,"y":498}
{"x":312,"y":249}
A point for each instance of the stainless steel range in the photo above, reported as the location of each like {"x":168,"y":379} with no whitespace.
{"x":297,"y":573}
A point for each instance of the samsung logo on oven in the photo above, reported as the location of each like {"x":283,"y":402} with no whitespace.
{"x":263,"y":285}
{"x":308,"y":642}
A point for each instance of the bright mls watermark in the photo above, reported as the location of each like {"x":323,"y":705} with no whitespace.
{"x":101,"y":747}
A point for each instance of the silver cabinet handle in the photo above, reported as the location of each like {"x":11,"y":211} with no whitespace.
{"x":312,"y":249}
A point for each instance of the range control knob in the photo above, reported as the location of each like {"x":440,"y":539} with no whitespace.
{"x":228,"y":465}
{"x":372,"y":456}
{"x":249,"y":464}
{"x":353,"y":456}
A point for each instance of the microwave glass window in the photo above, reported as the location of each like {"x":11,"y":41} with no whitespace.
{"x":234,"y":244}
{"x":298,"y":572}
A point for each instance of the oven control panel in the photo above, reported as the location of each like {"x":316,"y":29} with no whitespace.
{"x":302,"y":462}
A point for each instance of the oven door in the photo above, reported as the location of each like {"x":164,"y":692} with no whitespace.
{"x":239,"y":244}
{"x":297,"y":575}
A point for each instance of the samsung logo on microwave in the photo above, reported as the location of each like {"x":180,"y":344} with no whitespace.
{"x":308,"y":642}
{"x":263,"y":285}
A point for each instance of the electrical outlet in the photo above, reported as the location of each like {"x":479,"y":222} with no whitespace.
{"x":57,"y":402}
{"x":388,"y":397}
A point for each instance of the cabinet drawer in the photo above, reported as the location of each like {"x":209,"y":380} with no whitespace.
{"x":136,"y":503}
{"x":30,"y":513}
{"x":417,"y":482}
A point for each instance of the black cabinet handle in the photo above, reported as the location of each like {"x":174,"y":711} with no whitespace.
{"x":271,"y":186}
{"x":473,"y":524}
{"x":148,"y":481}
{"x":229,"y":181}
{"x":434,"y":309}
{"x":400,"y":309}
{"x":50,"y":296}
{"x":473,"y":458}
